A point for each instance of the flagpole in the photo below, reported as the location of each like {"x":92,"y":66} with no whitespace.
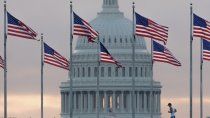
{"x":201,"y":79}
{"x":133,"y":63}
{"x":191,"y":79}
{"x":42,"y":73}
{"x":98,"y":77}
{"x":5,"y":59}
{"x":152,"y":86}
{"x":71,"y":66}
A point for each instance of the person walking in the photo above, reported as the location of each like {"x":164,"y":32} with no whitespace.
{"x":172,"y":110}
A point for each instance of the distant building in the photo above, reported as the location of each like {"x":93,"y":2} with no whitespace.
{"x":115,"y":84}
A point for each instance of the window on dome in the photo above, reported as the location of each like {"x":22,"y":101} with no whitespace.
{"x":74,"y":72}
{"x":120,"y":40}
{"x":109,"y":40}
{"x":109,"y":71}
{"x":83,"y":72}
{"x":115,"y":40}
{"x":95,"y":72}
{"x":136,"y":71}
{"x":102,"y":71}
{"x":145,"y":72}
{"x":110,"y":2}
{"x":78,"y":73}
{"x":89,"y":70}
{"x":126,"y":40}
{"x":141,"y":72}
{"x":130,"y":71}
{"x":116,"y":72}
{"x":123,"y":71}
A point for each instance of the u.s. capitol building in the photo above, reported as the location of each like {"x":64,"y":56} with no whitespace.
{"x":115,"y":83}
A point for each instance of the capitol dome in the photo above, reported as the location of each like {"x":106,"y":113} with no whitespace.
{"x":115,"y":85}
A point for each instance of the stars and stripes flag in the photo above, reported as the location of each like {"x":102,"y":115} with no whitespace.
{"x":162,"y":54}
{"x":83,"y":28}
{"x":206,"y":50}
{"x":19,"y":29}
{"x":54,"y":58}
{"x":106,"y":57}
{"x":1,"y":62}
{"x":150,"y":29}
{"x":201,"y":27}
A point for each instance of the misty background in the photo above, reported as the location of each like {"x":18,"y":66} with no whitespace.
{"x":51,"y":17}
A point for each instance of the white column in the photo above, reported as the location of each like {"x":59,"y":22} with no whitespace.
{"x":159,"y":102}
{"x":81,"y":102}
{"x":85,"y":101}
{"x":105,"y":101}
{"x":122,"y":101}
{"x":138,"y":102}
{"x":141,"y":102}
{"x":158,"y":106}
{"x":89,"y":108}
{"x":75,"y":102}
{"x":145,"y":101}
{"x":150,"y":101}
{"x":155,"y":99}
{"x":100,"y":102}
{"x":127,"y":102}
{"x":130,"y":93}
{"x":114,"y":101}
{"x":65,"y":105}
{"x":86,"y":96}
{"x":62,"y":102}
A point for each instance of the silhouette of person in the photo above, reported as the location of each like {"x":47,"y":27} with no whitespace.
{"x":172,"y":110}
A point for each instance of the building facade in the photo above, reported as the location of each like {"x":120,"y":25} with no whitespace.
{"x":115,"y":83}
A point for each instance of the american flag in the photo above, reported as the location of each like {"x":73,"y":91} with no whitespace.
{"x":150,"y":29}
{"x":54,"y":58}
{"x":162,"y":54}
{"x":19,"y":29}
{"x":201,"y":27}
{"x":206,"y":50}
{"x":1,"y":62}
{"x":83,"y":28}
{"x":106,"y":57}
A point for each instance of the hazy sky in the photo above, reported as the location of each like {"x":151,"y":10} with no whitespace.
{"x":52,"y":18}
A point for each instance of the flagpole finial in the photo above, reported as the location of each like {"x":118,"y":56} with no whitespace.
{"x":5,"y":2}
{"x":133,"y":5}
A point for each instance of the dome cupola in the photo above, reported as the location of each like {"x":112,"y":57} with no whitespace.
{"x":110,"y":7}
